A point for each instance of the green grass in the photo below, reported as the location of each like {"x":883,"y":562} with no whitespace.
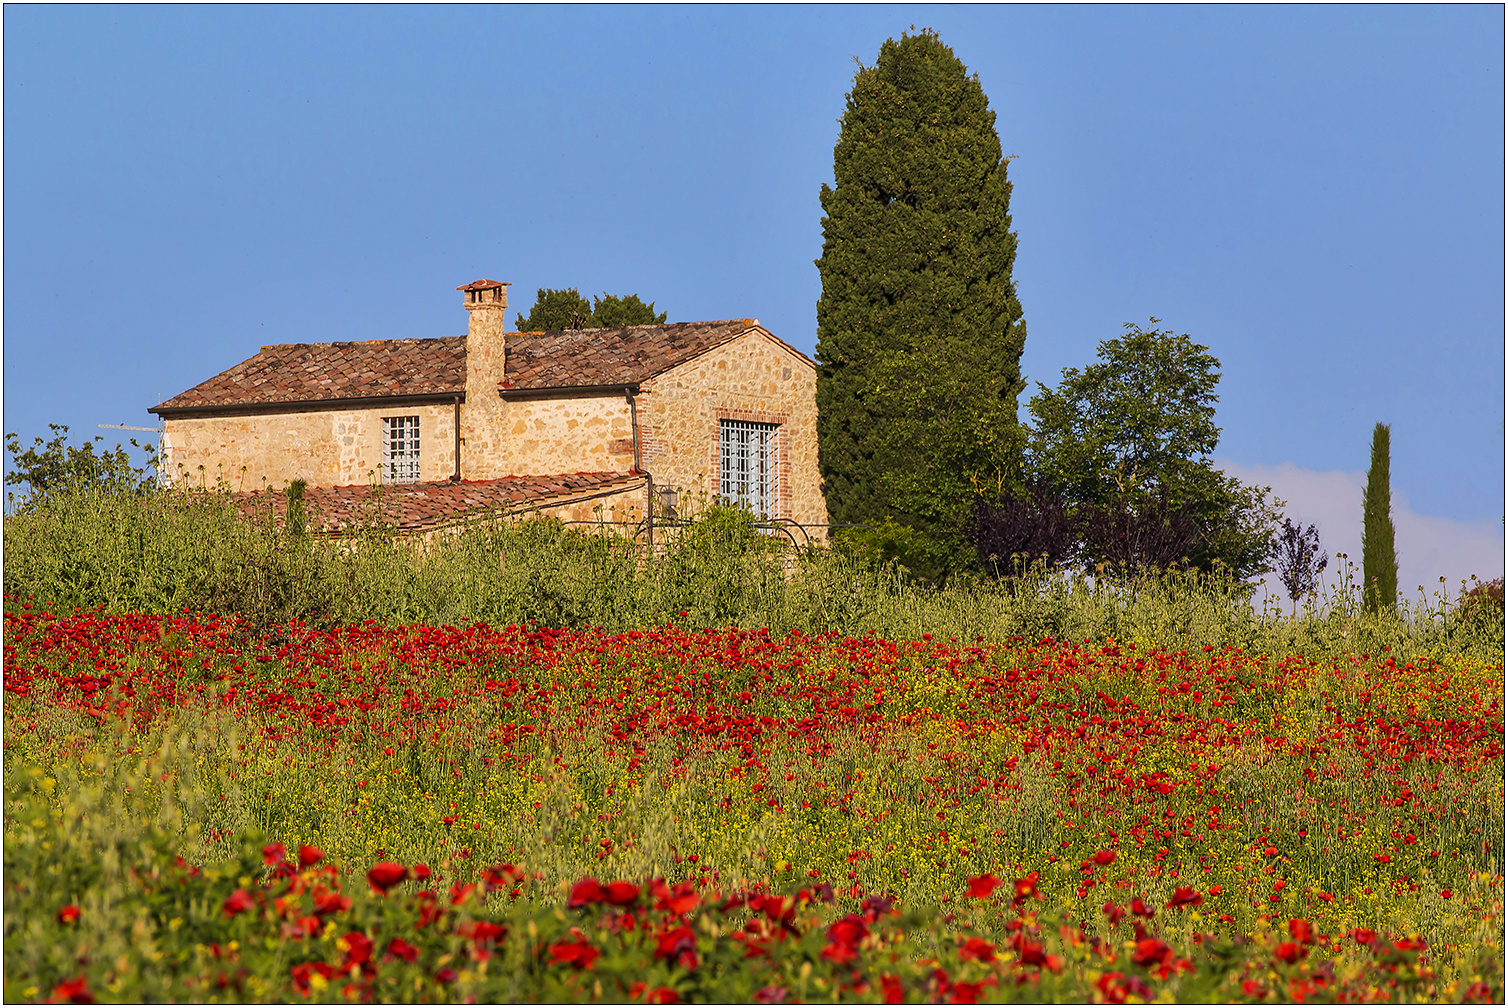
{"x":193,"y":550}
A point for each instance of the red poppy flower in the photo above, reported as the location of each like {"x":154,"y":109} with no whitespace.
{"x":678,"y":944}
{"x":620,"y":893}
{"x":329,"y":904}
{"x":237,"y":902}
{"x":965,"y":993}
{"x":1103,"y":857}
{"x":500,"y":876}
{"x":301,"y":972}
{"x":1027,"y":888}
{"x":1364,"y":936}
{"x":895,"y":992}
{"x":1033,"y":953}
{"x":1112,"y":990}
{"x":309,"y":856}
{"x":385,"y":874}
{"x":273,"y":853}
{"x":1290,"y":952}
{"x":683,"y":899}
{"x":1301,"y":931}
{"x":358,"y":948}
{"x":977,"y":948}
{"x":1185,"y":896}
{"x":422,"y":872}
{"x":482,"y":933}
{"x":983,"y":886}
{"x":580,"y":954}
{"x":68,"y":914}
{"x":839,"y":954}
{"x":402,"y":950}
{"x":586,"y":890}
{"x":662,"y":995}
{"x":75,"y":991}
{"x":1152,"y":952}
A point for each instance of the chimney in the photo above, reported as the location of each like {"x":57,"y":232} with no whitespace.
{"x":486,"y":304}
{"x":487,"y":300}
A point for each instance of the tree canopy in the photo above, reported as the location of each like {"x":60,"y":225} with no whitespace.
{"x":1128,"y":440}
{"x":567,"y":309}
{"x":919,"y":330}
{"x":57,"y":467}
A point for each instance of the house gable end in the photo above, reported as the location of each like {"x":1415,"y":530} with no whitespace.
{"x":754,"y":332}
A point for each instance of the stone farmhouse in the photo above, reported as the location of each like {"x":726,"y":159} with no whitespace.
{"x":582,"y":424}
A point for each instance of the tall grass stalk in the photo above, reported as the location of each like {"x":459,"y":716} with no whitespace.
{"x":196,"y":550}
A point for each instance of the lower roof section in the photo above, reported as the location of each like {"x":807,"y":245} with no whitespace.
{"x":417,"y":507}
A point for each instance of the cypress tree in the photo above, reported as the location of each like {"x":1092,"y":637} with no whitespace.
{"x":1379,"y":561}
{"x":919,"y":331}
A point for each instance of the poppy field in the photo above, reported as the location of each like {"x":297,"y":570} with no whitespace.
{"x":200,"y":810}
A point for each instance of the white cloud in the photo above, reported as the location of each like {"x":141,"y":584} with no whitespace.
{"x":1427,"y":547}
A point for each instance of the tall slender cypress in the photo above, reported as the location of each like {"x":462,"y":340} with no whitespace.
{"x":919,"y":331}
{"x":1379,"y":561}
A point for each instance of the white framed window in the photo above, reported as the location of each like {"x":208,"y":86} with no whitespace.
{"x":400,"y":449}
{"x":749,"y":453}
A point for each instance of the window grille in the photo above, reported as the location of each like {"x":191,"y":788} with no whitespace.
{"x":400,"y":449}
{"x":749,"y":452}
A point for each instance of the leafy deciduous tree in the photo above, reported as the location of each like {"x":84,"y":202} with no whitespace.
{"x":1020,"y":527}
{"x":1300,"y":560}
{"x":567,"y":309}
{"x":612,"y":311}
{"x":1129,"y":533}
{"x":56,"y":466}
{"x":1128,"y":440}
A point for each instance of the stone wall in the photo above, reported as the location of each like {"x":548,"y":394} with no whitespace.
{"x":754,"y":378}
{"x":324,"y":447}
{"x":548,"y":436}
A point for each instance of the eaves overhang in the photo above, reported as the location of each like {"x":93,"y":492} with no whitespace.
{"x":569,"y":391}
{"x":306,"y":405}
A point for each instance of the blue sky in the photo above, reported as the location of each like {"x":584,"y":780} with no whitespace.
{"x":1316,"y":193}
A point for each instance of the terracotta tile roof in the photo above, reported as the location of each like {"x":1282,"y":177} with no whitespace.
{"x":483,"y":285}
{"x":419,"y":506}
{"x":544,"y":360}
{"x":309,"y":372}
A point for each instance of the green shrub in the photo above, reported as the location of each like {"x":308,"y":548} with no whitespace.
{"x":91,"y":546}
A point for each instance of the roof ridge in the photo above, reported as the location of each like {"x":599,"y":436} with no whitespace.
{"x":642,"y":325}
{"x":389,"y":339}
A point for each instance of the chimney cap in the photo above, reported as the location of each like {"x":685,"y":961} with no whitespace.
{"x":484,"y":285}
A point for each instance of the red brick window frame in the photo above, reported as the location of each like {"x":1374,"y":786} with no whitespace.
{"x":781,"y":492}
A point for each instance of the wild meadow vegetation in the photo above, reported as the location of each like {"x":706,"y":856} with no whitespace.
{"x":522,"y":761}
